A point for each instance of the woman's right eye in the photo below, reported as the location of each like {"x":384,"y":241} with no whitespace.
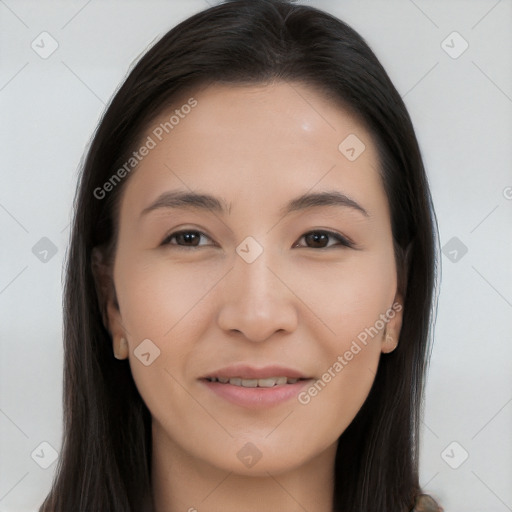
{"x":185,"y":239}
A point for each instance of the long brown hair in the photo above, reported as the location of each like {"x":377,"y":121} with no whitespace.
{"x":105,"y":462}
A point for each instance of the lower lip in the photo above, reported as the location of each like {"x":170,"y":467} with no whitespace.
{"x":256,"y":398}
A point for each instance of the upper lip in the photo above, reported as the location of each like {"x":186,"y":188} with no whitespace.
{"x":250,"y":372}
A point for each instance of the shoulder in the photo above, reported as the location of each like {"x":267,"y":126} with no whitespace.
{"x":425,"y":503}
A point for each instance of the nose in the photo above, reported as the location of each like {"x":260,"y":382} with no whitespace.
{"x":257,"y":299}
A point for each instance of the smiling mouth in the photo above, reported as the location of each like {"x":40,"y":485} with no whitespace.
{"x":269,"y":382}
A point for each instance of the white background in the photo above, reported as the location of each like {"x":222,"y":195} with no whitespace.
{"x":461,"y":109}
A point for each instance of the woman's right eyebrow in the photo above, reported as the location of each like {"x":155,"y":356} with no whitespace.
{"x":187,"y":200}
{"x":201,"y":201}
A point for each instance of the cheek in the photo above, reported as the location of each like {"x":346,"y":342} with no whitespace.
{"x":331,"y":403}
{"x":157,"y":301}
{"x":157,"y":297}
{"x":163,"y":302}
{"x":346,"y":296}
{"x":350,"y":306}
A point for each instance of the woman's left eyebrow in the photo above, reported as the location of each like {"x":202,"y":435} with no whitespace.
{"x":318,"y":199}
{"x":199,"y":201}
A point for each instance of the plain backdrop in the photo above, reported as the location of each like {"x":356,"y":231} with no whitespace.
{"x":450,"y":61}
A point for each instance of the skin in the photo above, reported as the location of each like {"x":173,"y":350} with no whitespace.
{"x":300,"y":304}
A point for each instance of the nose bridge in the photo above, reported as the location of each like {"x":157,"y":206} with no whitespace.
{"x":252,"y":272}
{"x":256,"y":302}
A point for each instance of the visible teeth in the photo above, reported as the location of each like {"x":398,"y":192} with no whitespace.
{"x":253,"y":383}
{"x":271,"y":381}
{"x":250,"y":383}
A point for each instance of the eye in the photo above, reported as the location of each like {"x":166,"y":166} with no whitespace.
{"x":319,"y":238}
{"x":185,"y":238}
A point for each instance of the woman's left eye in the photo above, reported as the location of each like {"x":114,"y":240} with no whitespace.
{"x":191,"y":238}
{"x":185,"y":236}
{"x":319,"y":237}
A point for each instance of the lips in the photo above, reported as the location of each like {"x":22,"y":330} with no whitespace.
{"x":254,"y":383}
{"x":246,"y":372}
{"x":252,"y":387}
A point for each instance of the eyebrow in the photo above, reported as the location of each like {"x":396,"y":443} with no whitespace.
{"x":198,"y":201}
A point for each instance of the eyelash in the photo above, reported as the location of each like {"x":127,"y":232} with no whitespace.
{"x":344,"y":242}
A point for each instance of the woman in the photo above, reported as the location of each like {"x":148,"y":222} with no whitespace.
{"x":250,"y":280}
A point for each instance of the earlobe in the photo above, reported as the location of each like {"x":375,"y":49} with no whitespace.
{"x":389,"y":344}
{"x":121,"y":349}
{"x":394,"y":325}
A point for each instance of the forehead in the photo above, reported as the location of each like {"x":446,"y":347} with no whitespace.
{"x":235,"y":137}
{"x":280,"y":113}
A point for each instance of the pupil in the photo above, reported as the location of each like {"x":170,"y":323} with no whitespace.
{"x":315,"y":237}
{"x":188,"y":237}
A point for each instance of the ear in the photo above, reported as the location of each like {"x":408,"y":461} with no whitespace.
{"x":102,"y":271}
{"x":394,"y":324}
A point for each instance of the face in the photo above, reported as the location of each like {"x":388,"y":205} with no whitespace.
{"x":259,"y":282}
